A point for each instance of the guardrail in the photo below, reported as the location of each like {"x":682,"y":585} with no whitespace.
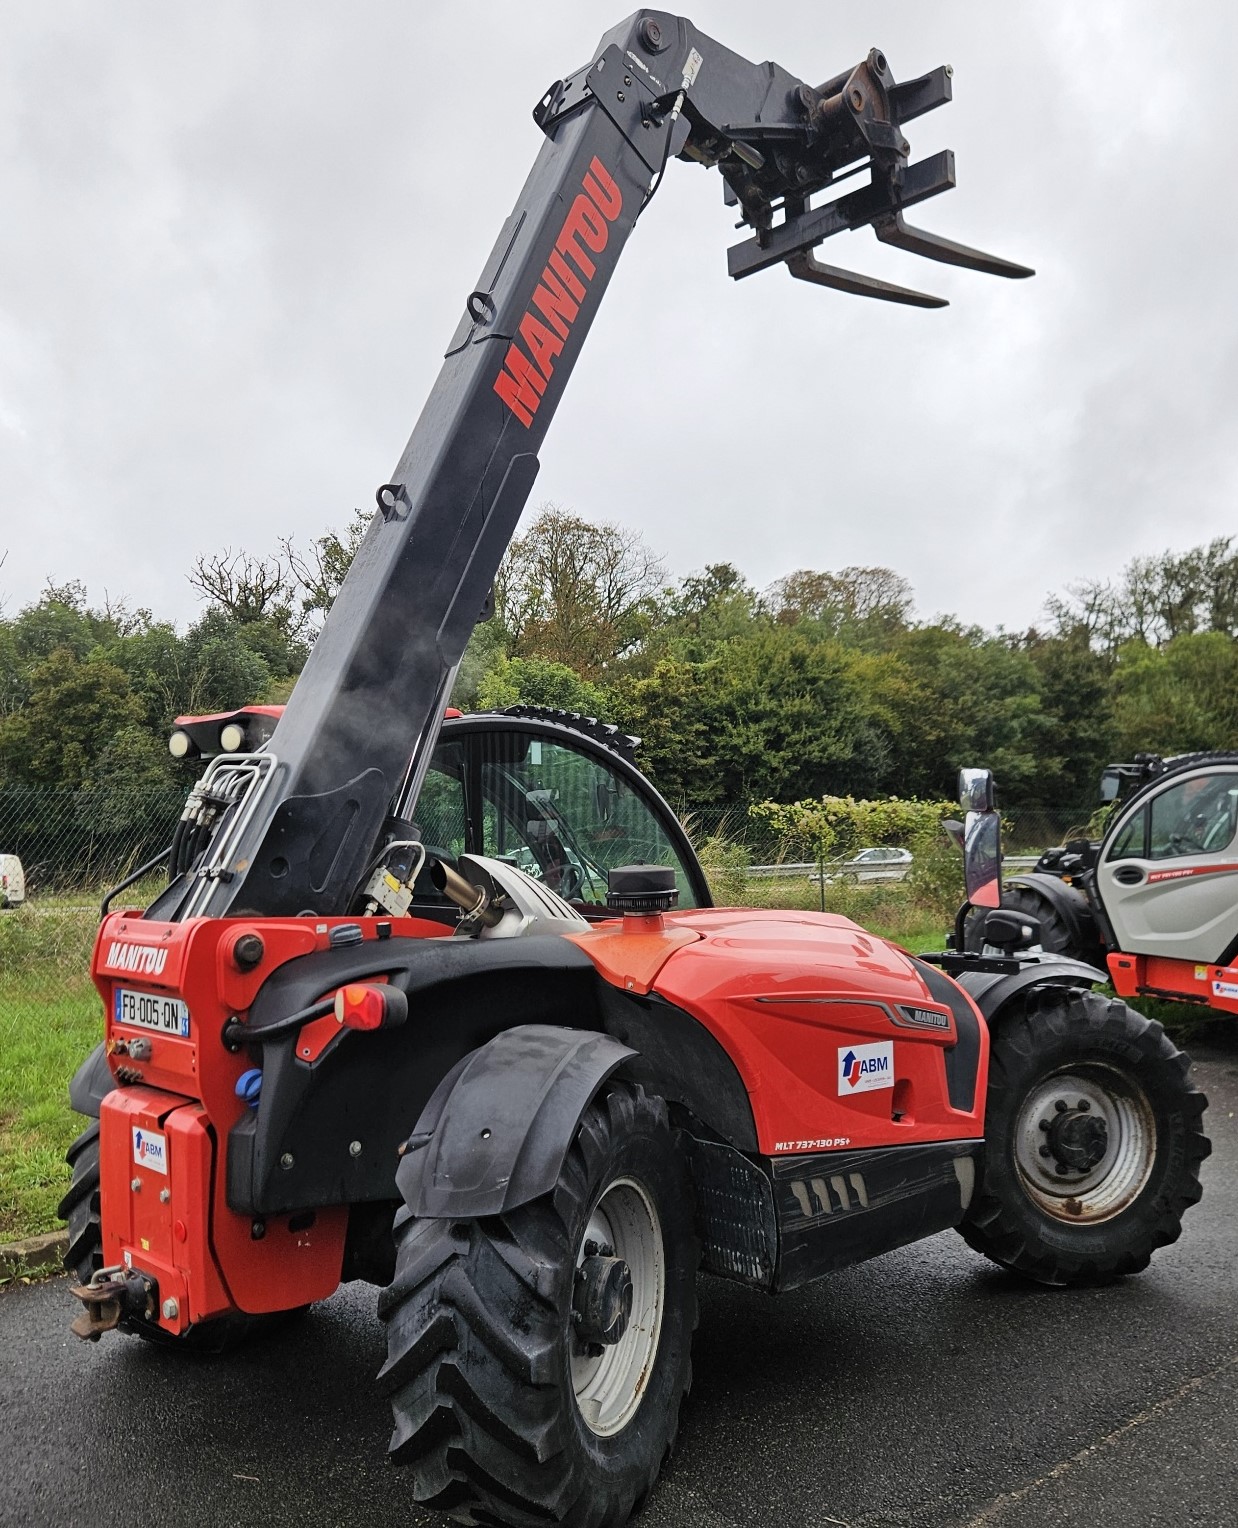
{"x":802,"y":869}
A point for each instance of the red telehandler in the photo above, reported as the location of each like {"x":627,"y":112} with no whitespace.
{"x":530,"y":1125}
{"x":1155,"y":898}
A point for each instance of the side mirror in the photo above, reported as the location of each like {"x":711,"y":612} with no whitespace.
{"x":1110,"y":784}
{"x":954,"y":832}
{"x":976,"y":792}
{"x":982,"y":858}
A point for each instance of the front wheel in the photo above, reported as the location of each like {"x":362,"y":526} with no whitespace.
{"x":537,"y":1360}
{"x":1093,"y":1141}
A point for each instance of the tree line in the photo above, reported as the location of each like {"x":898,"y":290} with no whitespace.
{"x":823,"y":683}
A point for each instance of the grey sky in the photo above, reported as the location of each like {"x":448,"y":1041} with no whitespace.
{"x":234,"y":240}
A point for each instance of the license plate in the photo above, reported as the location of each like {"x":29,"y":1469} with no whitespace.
{"x":151,"y":1010}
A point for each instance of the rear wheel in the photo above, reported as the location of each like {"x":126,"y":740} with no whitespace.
{"x":537,"y":1360}
{"x":1055,"y":933}
{"x":1093,"y":1141}
{"x":84,"y":1257}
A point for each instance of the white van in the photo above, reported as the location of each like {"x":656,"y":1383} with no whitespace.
{"x":12,"y":881}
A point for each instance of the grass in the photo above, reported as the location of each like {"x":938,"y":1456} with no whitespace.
{"x":50,"y":1017}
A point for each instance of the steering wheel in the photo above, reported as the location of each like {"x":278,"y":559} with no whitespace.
{"x":571,"y":882}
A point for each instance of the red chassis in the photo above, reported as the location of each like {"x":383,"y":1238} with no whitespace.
{"x":789,"y":997}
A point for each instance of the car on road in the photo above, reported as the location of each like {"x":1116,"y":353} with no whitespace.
{"x":880,"y":863}
{"x":12,"y":881}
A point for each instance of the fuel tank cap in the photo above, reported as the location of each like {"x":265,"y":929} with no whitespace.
{"x":641,"y":889}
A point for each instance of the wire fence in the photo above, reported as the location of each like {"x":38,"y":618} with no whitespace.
{"x":91,"y":838}
{"x":77,"y":840}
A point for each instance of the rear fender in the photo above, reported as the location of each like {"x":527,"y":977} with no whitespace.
{"x":1069,"y":901}
{"x":992,"y":994}
{"x":498,"y":1128}
{"x":92,"y":1082}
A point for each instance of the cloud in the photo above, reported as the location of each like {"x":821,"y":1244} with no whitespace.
{"x":236,"y":240}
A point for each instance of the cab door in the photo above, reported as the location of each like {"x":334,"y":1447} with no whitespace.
{"x":1168,"y":875}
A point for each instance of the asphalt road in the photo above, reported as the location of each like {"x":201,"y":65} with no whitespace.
{"x":922,"y":1390}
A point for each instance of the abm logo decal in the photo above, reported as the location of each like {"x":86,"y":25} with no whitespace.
{"x":865,"y":1068}
{"x":150,"y":1149}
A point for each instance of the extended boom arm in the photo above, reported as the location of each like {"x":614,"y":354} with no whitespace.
{"x":296,"y":825}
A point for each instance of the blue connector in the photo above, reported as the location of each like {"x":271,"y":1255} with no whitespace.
{"x":249,"y":1086}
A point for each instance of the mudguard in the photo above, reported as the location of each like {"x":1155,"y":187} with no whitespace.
{"x":991,"y":992}
{"x":1069,"y":901}
{"x":91,"y":1084}
{"x":498,"y":1128}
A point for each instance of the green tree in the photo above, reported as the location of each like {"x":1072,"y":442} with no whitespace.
{"x":75,"y":708}
{"x":539,"y":682}
{"x":1178,"y":698}
{"x":1078,"y":737}
{"x":576,"y":592}
{"x":863,"y":607}
{"x":775,"y":713}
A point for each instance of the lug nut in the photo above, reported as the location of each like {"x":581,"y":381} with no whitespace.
{"x":1045,"y":1152}
{"x":1061,"y":1105}
{"x":1062,"y":1168}
{"x":1084,"y":1106}
{"x":1044,"y":1124}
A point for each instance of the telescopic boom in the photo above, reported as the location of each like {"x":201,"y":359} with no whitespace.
{"x":294,"y":827}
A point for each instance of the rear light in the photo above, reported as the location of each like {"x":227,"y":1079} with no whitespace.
{"x":362,"y":1006}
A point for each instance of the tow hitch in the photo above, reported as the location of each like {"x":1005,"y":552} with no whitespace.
{"x":114,"y":1293}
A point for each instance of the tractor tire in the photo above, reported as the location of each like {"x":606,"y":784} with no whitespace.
{"x":84,"y":1257}
{"x":508,"y":1407}
{"x":1093,"y":1141}
{"x":80,"y":1207}
{"x":1055,"y":934}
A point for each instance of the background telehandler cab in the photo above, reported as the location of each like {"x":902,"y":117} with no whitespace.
{"x":1156,"y":897}
{"x":530,"y":1127}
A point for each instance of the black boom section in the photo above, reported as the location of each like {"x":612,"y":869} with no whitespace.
{"x":360,"y":725}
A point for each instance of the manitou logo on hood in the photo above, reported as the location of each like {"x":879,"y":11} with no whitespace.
{"x":150,"y":1150}
{"x":865,"y":1068}
{"x":148,"y":959}
{"x":559,"y":293}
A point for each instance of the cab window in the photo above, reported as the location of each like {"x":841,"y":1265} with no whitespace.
{"x":1200,"y":816}
{"x":566,"y":818}
{"x":1130,"y":842}
{"x":441,"y":817}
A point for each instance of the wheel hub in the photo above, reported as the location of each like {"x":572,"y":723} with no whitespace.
{"x":616,"y":1310}
{"x":1078,"y":1139}
{"x":602,"y":1297}
{"x":1085,"y":1142}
